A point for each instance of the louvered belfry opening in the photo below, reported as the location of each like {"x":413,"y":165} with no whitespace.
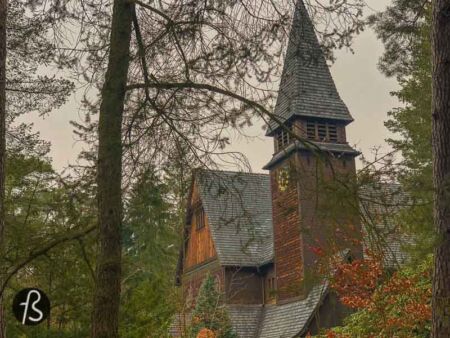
{"x":321,"y":131}
{"x":284,"y":137}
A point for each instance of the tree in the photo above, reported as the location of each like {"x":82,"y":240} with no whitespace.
{"x":398,"y":27}
{"x":441,"y":165}
{"x":399,"y":306}
{"x":42,"y":214}
{"x":411,"y":123}
{"x":210,"y":312}
{"x":3,"y":18}
{"x":403,"y":20}
{"x":150,"y":240}
{"x":105,"y":318}
{"x":21,"y":89}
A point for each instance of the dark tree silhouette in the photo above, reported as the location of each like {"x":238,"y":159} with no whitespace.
{"x":441,"y":166}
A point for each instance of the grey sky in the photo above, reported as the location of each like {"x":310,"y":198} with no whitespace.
{"x":362,"y":87}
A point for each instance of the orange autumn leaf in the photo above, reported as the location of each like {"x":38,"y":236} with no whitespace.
{"x":206,"y":333}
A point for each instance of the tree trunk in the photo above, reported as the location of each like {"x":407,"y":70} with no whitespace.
{"x":441,"y":167}
{"x":3,"y":16}
{"x":105,"y":318}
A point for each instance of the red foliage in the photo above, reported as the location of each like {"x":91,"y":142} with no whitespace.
{"x":398,"y":307}
{"x":355,"y":282}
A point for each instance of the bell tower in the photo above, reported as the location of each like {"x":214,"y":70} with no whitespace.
{"x":309,"y":107}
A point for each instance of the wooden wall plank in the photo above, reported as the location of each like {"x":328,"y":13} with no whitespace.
{"x":200,"y":246}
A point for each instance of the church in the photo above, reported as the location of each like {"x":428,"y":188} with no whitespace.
{"x":258,"y":234}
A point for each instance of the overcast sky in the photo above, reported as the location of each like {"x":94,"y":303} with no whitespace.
{"x":362,"y":87}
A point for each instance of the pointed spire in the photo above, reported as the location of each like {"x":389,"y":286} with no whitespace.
{"x":307,"y":88}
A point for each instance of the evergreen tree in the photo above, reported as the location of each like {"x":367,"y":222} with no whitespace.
{"x":150,"y":254}
{"x":404,"y":27}
{"x":39,"y":210}
{"x":210,"y":312}
{"x":412,"y":122}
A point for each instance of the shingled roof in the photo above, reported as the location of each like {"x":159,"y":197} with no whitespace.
{"x":268,"y":321}
{"x":239,"y":210}
{"x":307,"y":87}
{"x":275,"y":321}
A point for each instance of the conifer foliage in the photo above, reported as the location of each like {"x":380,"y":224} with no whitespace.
{"x":210,"y":314}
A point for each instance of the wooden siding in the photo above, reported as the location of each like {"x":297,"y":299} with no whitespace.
{"x":243,"y":286}
{"x":200,"y":246}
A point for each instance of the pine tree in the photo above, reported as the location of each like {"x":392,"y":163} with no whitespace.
{"x":412,"y":125}
{"x":210,"y":312}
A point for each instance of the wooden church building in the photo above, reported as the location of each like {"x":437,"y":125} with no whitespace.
{"x":255,"y":233}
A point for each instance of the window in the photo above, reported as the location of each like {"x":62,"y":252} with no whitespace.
{"x":284,"y":137}
{"x":321,"y":131}
{"x":199,"y":215}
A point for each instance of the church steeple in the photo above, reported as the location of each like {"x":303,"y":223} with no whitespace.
{"x":307,"y":88}
{"x":310,"y":107}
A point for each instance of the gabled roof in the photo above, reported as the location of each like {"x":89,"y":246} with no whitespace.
{"x":239,"y":210}
{"x":307,"y":87}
